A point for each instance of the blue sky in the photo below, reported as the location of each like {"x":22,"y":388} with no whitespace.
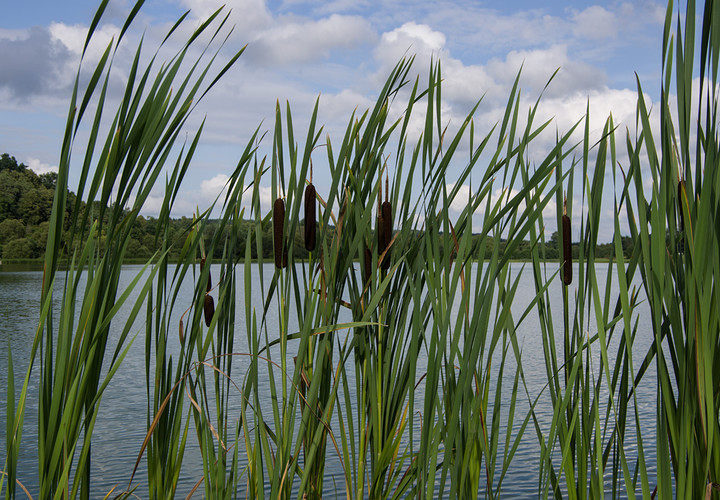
{"x":340,"y":50}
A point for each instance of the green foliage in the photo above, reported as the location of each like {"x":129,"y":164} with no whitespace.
{"x":21,"y":248}
{"x":11,"y":229}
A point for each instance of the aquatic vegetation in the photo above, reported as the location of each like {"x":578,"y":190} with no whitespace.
{"x":393,"y":347}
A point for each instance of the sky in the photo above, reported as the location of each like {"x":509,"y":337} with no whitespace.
{"x":339,"y":52}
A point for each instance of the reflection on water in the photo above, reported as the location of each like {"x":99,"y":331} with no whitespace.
{"x":121,"y":425}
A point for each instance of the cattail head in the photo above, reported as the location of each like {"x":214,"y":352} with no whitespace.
{"x":387,"y":224}
{"x":380,"y":224}
{"x":209,"y":309}
{"x":387,"y":228}
{"x":681,"y":195}
{"x":181,"y":332}
{"x":310,"y":217}
{"x":278,"y":226}
{"x":567,"y":248}
{"x":368,"y":264}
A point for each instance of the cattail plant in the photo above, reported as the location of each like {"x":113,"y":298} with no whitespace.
{"x":278,"y":224}
{"x":567,"y":247}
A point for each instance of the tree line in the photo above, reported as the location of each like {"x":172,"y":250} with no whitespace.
{"x":26,"y":202}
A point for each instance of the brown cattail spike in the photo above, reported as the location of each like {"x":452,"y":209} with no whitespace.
{"x":278,"y":225}
{"x":209,"y":309}
{"x":368,"y":264}
{"x":567,"y":249}
{"x":681,"y":196}
{"x":388,"y":230}
{"x":310,"y":217}
{"x":380,"y":232}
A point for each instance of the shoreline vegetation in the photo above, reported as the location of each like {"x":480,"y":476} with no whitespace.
{"x":352,"y":390}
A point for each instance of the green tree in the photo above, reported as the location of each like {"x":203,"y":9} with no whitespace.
{"x":38,"y":238}
{"x":11,"y":229}
{"x":48,"y":180}
{"x":9,"y":163}
{"x":35,"y":205}
{"x":20,"y":248}
{"x":13,"y":186}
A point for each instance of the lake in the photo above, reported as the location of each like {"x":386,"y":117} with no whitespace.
{"x":122,"y":422}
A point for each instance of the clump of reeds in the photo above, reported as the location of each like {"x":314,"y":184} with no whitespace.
{"x":460,"y":430}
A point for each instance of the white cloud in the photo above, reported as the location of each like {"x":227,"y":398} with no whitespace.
{"x":73,"y":37}
{"x":212,"y":188}
{"x":338,"y":107}
{"x":495,"y":31}
{"x":410,"y":38}
{"x":538,"y":67}
{"x":595,"y":22}
{"x":216,"y":186}
{"x":39,"y":167}
{"x":468,"y":84}
{"x":459,"y":203}
{"x":309,"y":40}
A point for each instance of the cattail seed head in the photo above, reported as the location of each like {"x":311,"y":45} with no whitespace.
{"x":380,"y":233}
{"x":209,"y":309}
{"x":380,"y":228}
{"x":368,"y":264}
{"x":387,"y":228}
{"x":567,"y":250}
{"x":181,"y":332}
{"x":681,"y":195}
{"x":278,"y":225}
{"x":310,"y":221}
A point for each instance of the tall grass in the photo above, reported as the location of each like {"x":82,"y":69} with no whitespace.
{"x":393,"y":355}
